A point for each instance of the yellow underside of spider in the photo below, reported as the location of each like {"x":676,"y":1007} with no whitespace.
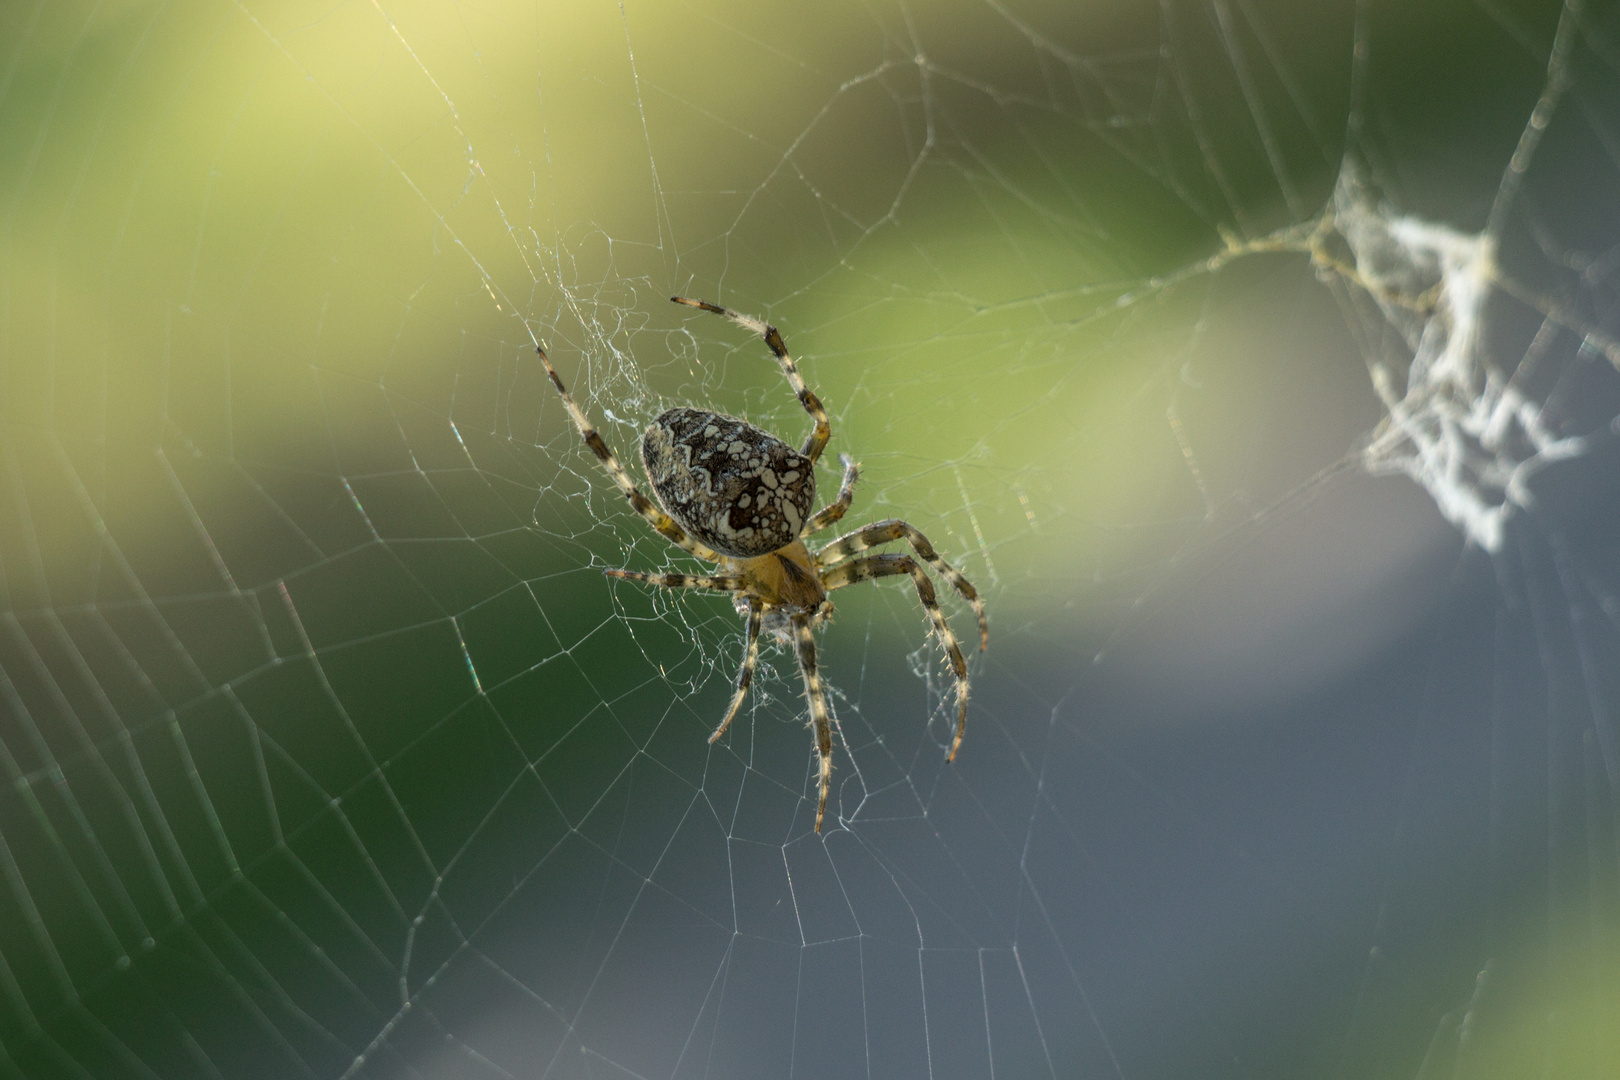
{"x":784,"y":578}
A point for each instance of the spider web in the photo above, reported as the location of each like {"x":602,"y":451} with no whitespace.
{"x":1255,"y":360}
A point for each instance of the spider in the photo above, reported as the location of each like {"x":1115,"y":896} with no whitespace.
{"x":737,"y":496}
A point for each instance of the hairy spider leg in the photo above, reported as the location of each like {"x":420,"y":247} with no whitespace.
{"x":745,"y":674}
{"x":882,"y":532}
{"x":817,"y":440}
{"x":720,"y":583}
{"x":836,"y":509}
{"x":880,"y":566}
{"x":640,"y":503}
{"x":804,"y":641}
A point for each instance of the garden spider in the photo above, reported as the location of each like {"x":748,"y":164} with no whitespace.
{"x":737,"y":496}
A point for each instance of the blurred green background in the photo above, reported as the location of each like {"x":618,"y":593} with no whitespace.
{"x":329,"y":751}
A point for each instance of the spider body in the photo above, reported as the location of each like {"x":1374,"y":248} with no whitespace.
{"x":734,"y":495}
{"x":740,"y":490}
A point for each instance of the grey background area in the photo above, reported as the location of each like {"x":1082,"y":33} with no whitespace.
{"x":329,"y":751}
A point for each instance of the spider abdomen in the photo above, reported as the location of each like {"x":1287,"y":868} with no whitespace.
{"x":740,"y":490}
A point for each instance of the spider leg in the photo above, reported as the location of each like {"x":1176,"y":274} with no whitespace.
{"x":879,"y":566}
{"x":745,"y":674}
{"x":839,"y":506}
{"x":820,"y":715}
{"x":639,"y":502}
{"x":817,"y":440}
{"x":719,"y":583}
{"x":894,"y":529}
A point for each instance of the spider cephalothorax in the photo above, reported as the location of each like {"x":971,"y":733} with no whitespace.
{"x":739,"y":497}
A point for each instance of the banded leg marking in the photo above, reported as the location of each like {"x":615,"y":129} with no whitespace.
{"x":719,"y":583}
{"x":820,"y":715}
{"x":836,"y":509}
{"x":640,"y":503}
{"x":889,"y":565}
{"x":883,"y":532}
{"x":817,"y":440}
{"x":745,"y":674}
